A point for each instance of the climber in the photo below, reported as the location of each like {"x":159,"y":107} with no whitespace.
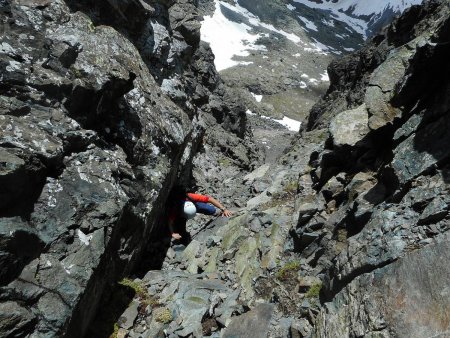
{"x":184,"y":205}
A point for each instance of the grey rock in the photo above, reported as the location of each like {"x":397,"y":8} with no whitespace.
{"x":254,"y":323}
{"x":407,"y":279}
{"x":191,"y":313}
{"x":19,"y":245}
{"x":127,"y":319}
{"x":258,"y":200}
{"x":332,"y":188}
{"x":350,"y":127}
{"x":434,"y":212}
{"x":255,"y":225}
{"x":15,"y":320}
{"x":257,"y":174}
{"x":301,"y":329}
{"x":225,"y":311}
{"x":422,"y":150}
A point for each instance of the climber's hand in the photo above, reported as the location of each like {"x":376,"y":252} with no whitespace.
{"x":176,"y":236}
{"x":226,"y":213}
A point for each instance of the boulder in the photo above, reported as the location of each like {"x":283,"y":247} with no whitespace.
{"x":404,"y":299}
{"x":15,"y":320}
{"x":127,"y":319}
{"x":350,"y":126}
{"x":422,"y":150}
{"x":253,"y":324}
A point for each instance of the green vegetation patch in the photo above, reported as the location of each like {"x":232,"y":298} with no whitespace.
{"x":225,"y":162}
{"x":291,"y":187}
{"x":287,"y":270}
{"x":163,"y":315}
{"x":77,"y":73}
{"x":140,"y":290}
{"x":115,"y":332}
{"x":91,"y":27}
{"x":314,"y":290}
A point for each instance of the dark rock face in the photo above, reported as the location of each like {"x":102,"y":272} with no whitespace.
{"x":369,"y":75}
{"x":102,"y":105}
{"x":409,"y":296}
{"x":375,"y":204}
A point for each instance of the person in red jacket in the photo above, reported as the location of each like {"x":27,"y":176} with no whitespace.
{"x":185,"y":205}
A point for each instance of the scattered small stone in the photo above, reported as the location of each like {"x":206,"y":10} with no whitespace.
{"x":127,"y":319}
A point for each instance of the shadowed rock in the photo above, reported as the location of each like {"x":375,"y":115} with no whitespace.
{"x":253,"y":324}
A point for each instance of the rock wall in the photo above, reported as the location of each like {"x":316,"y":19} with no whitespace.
{"x":374,"y":218}
{"x":103,"y":106}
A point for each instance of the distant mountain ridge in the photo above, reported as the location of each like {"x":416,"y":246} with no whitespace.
{"x":370,"y":16}
{"x":280,"y":49}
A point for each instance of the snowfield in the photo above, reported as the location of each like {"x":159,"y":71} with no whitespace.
{"x":348,"y":11}
{"x":228,"y":38}
{"x":290,"y":124}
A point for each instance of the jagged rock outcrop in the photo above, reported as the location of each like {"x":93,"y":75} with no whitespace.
{"x":374,"y":75}
{"x":376,"y":209}
{"x":103,"y":104}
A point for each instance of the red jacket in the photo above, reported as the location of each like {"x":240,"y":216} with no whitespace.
{"x":175,"y":211}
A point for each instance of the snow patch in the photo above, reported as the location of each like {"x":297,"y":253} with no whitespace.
{"x":358,"y":25}
{"x":325,"y":77}
{"x":357,"y":7}
{"x":13,"y":66}
{"x":290,"y":124}
{"x":256,"y":22}
{"x":349,"y":11}
{"x":290,"y":7}
{"x":329,"y":23}
{"x":258,"y":98}
{"x":6,"y":48}
{"x":229,"y":39}
{"x":85,"y":239}
{"x":68,"y":268}
{"x":320,"y":46}
{"x":309,"y":24}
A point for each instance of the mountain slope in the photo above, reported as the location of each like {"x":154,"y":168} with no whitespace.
{"x":278,"y":50}
{"x":365,"y":17}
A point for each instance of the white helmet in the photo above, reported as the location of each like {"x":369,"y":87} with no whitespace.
{"x":189,"y":210}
